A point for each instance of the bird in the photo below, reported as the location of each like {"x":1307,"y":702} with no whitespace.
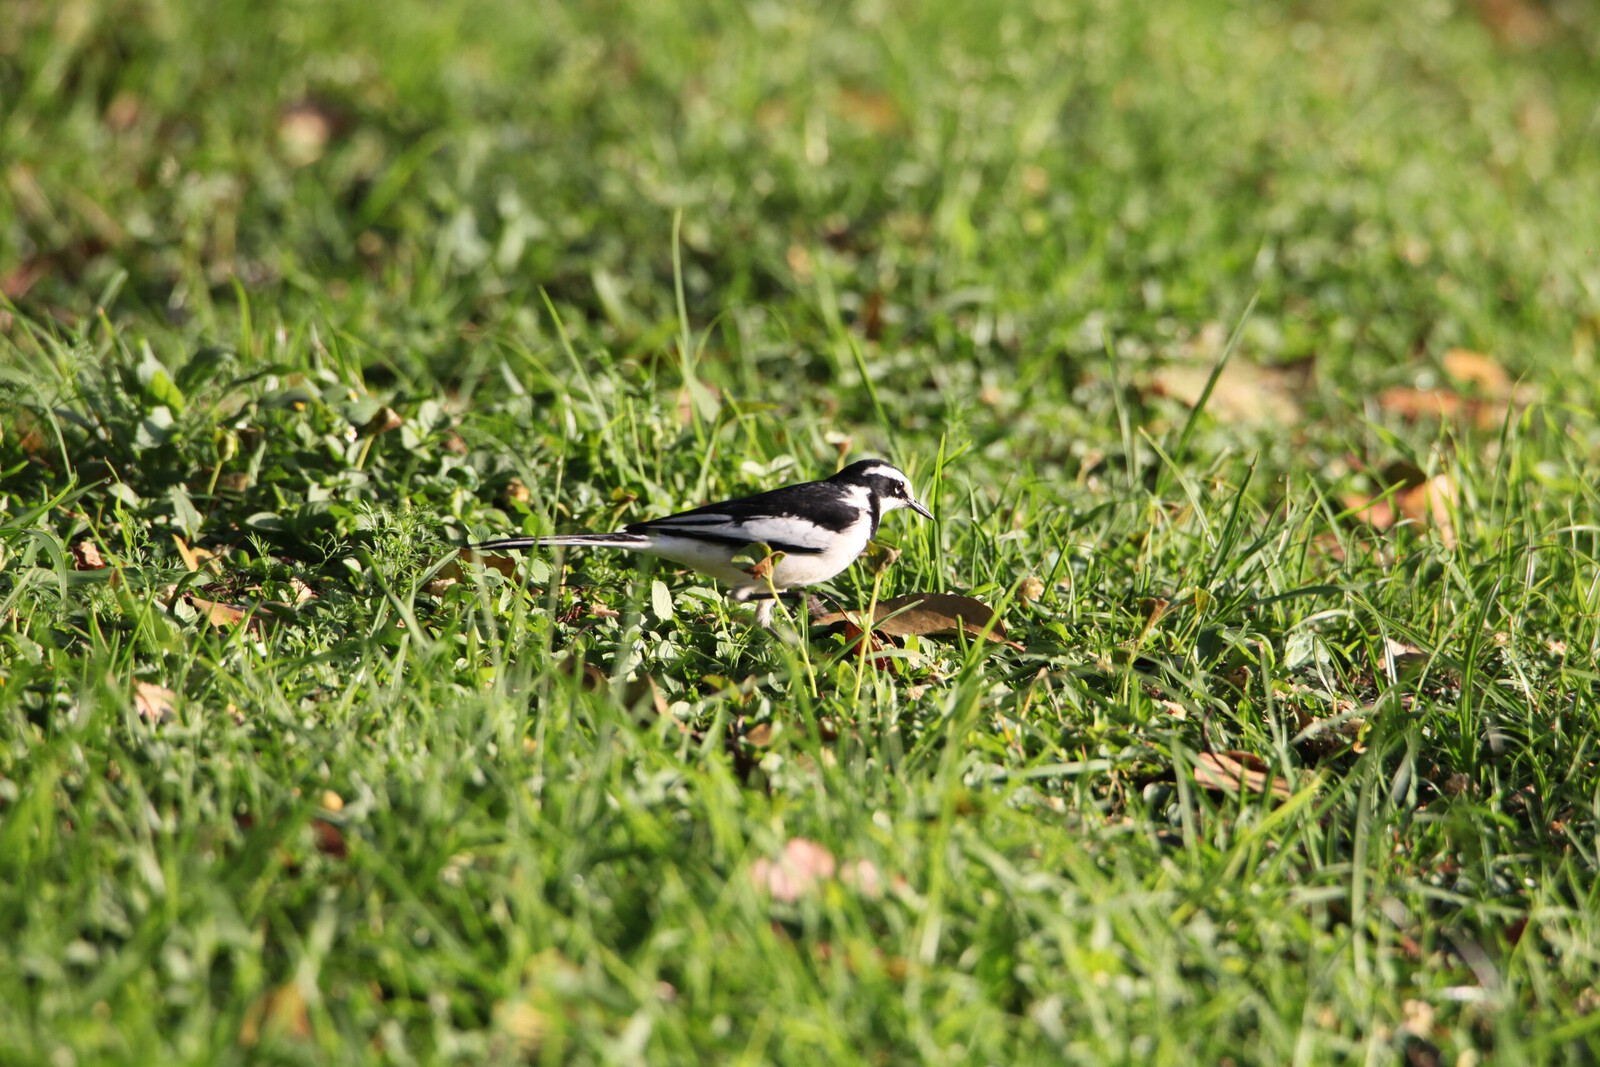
{"x":811,"y":531}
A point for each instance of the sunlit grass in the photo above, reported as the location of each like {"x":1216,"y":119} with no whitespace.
{"x":299,"y":303}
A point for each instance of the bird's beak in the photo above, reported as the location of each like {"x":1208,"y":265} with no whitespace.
{"x":920,"y":508}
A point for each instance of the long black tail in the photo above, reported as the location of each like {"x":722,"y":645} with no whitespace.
{"x":610,"y":540}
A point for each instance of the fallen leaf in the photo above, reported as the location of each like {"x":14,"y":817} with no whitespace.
{"x":761,"y":570}
{"x":279,"y":1012}
{"x":191,"y":560}
{"x":929,"y":615}
{"x":1376,"y":512}
{"x":86,"y":557}
{"x":635,"y":692}
{"x":1477,"y":370}
{"x":1400,"y":658}
{"x":1411,"y":404}
{"x":1490,"y":393}
{"x":1234,"y":772}
{"x":385,"y":420}
{"x":154,"y":703}
{"x":802,"y":867}
{"x":123,"y":111}
{"x":1155,"y":609}
{"x":871,"y":110}
{"x":525,"y":1025}
{"x":699,"y":396}
{"x":1244,"y":393}
{"x":329,"y":838}
{"x":305,"y":128}
{"x":1516,"y":23}
{"x":505,"y":565}
{"x":872,"y":316}
{"x":1431,"y":504}
{"x":1418,"y":498}
{"x":219,"y":614}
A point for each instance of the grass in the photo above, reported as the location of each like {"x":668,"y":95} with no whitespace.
{"x":298,"y":299}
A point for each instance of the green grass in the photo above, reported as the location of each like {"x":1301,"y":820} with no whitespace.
{"x":605,"y":261}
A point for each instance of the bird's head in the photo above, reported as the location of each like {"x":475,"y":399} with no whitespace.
{"x":886,"y":482}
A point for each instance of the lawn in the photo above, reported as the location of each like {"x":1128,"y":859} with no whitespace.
{"x":1245,"y":352}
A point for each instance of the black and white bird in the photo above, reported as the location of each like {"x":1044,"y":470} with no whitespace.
{"x":815,"y":529}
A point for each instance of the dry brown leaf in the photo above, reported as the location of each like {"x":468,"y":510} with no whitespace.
{"x":874,"y":111}
{"x":86,"y":557}
{"x":505,"y":565}
{"x":1374,"y":511}
{"x":1412,"y":404}
{"x":1491,"y":392}
{"x":638,"y":689}
{"x":385,"y":420}
{"x":219,"y":614}
{"x":1155,"y":609}
{"x":1234,"y":772}
{"x":1478,"y":370}
{"x":762,"y":569}
{"x":928,"y":615}
{"x":1428,"y":501}
{"x":329,"y":838}
{"x":872,"y":316}
{"x":1244,"y":393}
{"x":154,"y":703}
{"x":279,"y":1012}
{"x":192,"y":557}
{"x":1516,"y":23}
{"x":702,"y":395}
{"x":517,"y":491}
{"x":1431,"y":504}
